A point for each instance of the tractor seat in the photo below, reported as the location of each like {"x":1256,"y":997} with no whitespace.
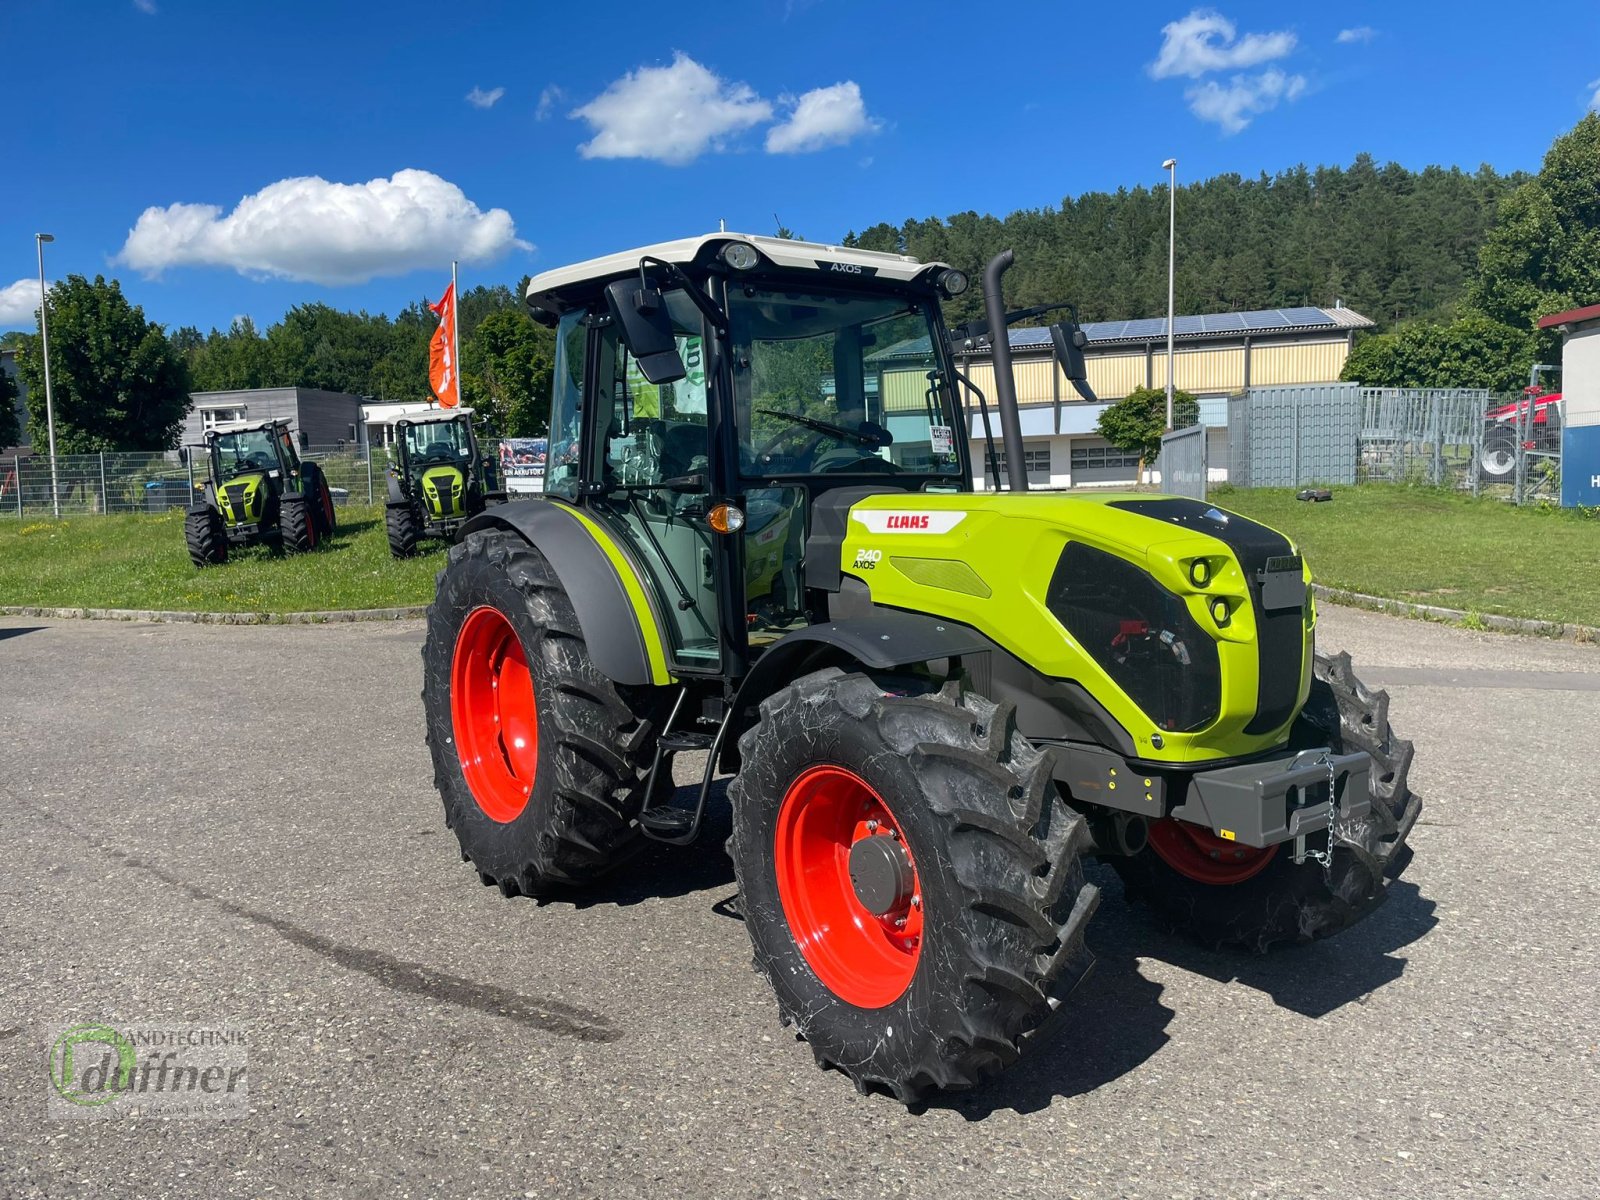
{"x":436,"y":451}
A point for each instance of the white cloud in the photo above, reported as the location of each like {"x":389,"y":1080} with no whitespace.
{"x":1594,"y":101}
{"x":1361,"y":33}
{"x":148,"y":7}
{"x":19,"y":303}
{"x":479,"y":98}
{"x":669,"y":114}
{"x":829,"y":116}
{"x":549,"y":99}
{"x":328,"y":233}
{"x":1243,"y":98}
{"x":1205,"y":41}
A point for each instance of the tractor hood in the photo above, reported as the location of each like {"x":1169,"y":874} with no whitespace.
{"x":1192,"y":625}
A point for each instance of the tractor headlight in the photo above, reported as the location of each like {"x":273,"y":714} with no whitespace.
{"x":953,"y":282}
{"x":1200,"y":572}
{"x":1221,"y":613}
{"x":741,"y":256}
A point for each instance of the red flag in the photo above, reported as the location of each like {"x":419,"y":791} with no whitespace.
{"x":442,"y":352}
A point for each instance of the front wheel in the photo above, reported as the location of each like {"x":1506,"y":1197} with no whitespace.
{"x":297,"y":524}
{"x":537,"y":756}
{"x":206,"y":536}
{"x":400,"y":523}
{"x":1225,"y":894}
{"x":909,"y":878}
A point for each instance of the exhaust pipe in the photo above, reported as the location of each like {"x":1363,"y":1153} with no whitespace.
{"x":1005,"y":387}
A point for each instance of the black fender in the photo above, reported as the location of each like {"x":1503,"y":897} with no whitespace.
{"x":611,"y":624}
{"x":397,"y":494}
{"x":880,"y":640}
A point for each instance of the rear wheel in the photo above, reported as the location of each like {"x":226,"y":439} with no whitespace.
{"x":297,"y":524}
{"x":909,"y":877}
{"x":206,"y":536}
{"x":321,"y":500}
{"x":1498,"y":459}
{"x":1225,"y":894}
{"x":538,"y":756}
{"x":400,"y":522}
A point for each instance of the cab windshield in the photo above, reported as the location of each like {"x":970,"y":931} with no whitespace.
{"x":250,"y":450}
{"x":827,"y":383}
{"x":437,"y":442}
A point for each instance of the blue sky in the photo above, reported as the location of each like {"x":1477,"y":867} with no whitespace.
{"x":161,"y":140}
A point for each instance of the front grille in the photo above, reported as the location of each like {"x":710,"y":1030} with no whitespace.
{"x":1141,"y":635}
{"x":1280,"y":640}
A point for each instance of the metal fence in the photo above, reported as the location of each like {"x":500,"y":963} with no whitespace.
{"x":1462,"y":438}
{"x":1182,"y":464}
{"x":155,"y":482}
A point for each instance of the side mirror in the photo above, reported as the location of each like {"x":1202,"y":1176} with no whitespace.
{"x":1068,"y":341}
{"x":640,"y":312}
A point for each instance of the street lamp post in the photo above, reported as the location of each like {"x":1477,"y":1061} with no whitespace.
{"x":49,"y":398}
{"x":1171,"y":166}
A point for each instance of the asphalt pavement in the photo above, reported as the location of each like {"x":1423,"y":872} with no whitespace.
{"x":235,"y":828}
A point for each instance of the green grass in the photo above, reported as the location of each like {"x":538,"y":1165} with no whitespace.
{"x":141,"y":562}
{"x":1427,"y":546}
{"x":1437,"y":547}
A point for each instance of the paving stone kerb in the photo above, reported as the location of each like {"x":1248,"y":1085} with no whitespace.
{"x":1429,"y":612}
{"x":220,"y":618}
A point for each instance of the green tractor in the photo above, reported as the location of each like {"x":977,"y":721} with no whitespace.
{"x":438,"y":480}
{"x":257,"y":490}
{"x":936,"y":702}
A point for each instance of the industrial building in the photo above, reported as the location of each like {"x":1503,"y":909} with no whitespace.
{"x":316,"y":417}
{"x":1214,"y":356}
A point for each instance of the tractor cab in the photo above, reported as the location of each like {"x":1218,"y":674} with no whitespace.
{"x":727,"y":384}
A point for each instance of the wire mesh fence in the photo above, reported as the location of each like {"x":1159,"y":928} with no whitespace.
{"x":1462,"y":438}
{"x":112,"y":483}
{"x":1182,"y":465}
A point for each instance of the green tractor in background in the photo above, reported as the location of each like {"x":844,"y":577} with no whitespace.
{"x":257,"y":490}
{"x":937,"y":703}
{"x":439,"y":479}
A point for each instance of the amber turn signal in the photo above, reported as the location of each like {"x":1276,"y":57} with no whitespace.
{"x":725,"y":518}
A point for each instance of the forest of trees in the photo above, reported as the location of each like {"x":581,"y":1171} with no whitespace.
{"x":505,"y":358}
{"x":1454,"y":266}
{"x":1389,"y":242}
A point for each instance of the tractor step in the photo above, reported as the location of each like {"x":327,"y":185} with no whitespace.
{"x":665,"y":822}
{"x":672,"y":743}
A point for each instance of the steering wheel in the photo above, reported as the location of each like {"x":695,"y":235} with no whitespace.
{"x":870,"y":464}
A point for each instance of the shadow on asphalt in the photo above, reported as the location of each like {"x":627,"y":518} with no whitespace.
{"x":18,"y":631}
{"x":1116,"y":1020}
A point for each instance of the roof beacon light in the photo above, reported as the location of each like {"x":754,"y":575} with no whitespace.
{"x":741,"y":256}
{"x":953,"y":282}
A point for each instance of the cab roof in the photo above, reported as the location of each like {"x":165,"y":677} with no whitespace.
{"x":544,"y":289}
{"x":246,"y":426}
{"x":432,"y":416}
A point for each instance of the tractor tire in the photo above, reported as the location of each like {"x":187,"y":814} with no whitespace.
{"x":1498,"y":458}
{"x":553,"y":806}
{"x":297,"y":524}
{"x":322,"y":501}
{"x":206,"y":536}
{"x":400,"y":522}
{"x":909,"y":877}
{"x":1226,"y":895}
